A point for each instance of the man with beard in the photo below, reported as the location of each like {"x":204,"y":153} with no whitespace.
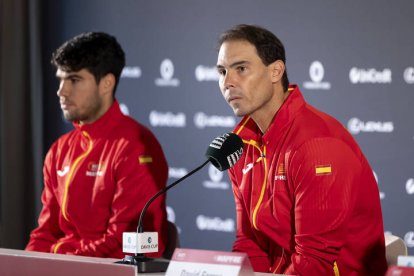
{"x":97,"y":177}
{"x":307,"y":201}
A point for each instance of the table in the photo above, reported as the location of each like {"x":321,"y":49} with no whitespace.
{"x":21,"y":263}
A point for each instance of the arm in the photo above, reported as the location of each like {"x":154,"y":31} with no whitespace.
{"x":48,"y":232}
{"x":245,"y":240}
{"x":324,"y":201}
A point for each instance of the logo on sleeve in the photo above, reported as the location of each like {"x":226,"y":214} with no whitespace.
{"x":144,"y":159}
{"x":323,"y":170}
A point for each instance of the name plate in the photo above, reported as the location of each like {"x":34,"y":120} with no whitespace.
{"x":133,"y":242}
{"x":406,"y":261}
{"x":192,"y":262}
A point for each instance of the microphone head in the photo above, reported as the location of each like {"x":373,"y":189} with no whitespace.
{"x":225,"y":150}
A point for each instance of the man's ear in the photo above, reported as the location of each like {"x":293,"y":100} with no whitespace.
{"x":107,"y":83}
{"x":277,"y":68}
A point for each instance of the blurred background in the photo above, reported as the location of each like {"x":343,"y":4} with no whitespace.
{"x":352,"y":59}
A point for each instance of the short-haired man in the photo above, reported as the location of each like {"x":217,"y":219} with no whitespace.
{"x":97,"y":177}
{"x":307,"y":201}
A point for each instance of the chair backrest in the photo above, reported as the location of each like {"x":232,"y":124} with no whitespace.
{"x":173,"y":240}
{"x":394,"y":247}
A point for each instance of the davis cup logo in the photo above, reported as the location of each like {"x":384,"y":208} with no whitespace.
{"x":409,"y":75}
{"x":216,"y":178}
{"x":316,"y":71}
{"x":149,"y":240}
{"x":316,"y":74}
{"x":167,"y":73}
{"x":409,"y":239}
{"x":124,"y":109}
{"x":409,"y":186}
{"x":167,"y":69}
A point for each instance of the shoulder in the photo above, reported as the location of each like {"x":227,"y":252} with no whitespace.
{"x":313,"y":124}
{"x":131,"y":127}
{"x":132,"y":132}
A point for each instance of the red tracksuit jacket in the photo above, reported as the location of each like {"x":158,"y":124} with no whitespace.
{"x":97,"y":179}
{"x":307,"y":202}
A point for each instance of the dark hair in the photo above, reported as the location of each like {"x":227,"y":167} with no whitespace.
{"x":99,"y":53}
{"x":268,"y":46}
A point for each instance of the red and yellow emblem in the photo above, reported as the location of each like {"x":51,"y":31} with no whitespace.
{"x":144,"y":159}
{"x":323,"y":169}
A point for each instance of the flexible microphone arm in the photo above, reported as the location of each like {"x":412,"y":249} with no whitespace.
{"x":223,"y":152}
{"x":140,"y":228}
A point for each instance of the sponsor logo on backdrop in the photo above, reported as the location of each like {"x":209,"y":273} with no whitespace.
{"x":202,"y":120}
{"x":409,"y":239}
{"x":409,"y":186}
{"x":167,"y":74}
{"x":132,"y":72}
{"x":176,"y":172}
{"x":409,"y":75}
{"x":204,"y":73}
{"x":167,"y":119}
{"x":215,"y":224}
{"x":316,"y":73}
{"x":124,"y":109}
{"x":382,"y":194}
{"x":215,"y":181}
{"x":170,"y":214}
{"x":371,"y":75}
{"x":355,"y":126}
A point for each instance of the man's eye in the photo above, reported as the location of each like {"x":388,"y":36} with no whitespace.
{"x":222,"y":72}
{"x":241,"y":68}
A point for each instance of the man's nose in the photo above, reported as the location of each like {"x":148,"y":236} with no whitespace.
{"x":228,"y":80}
{"x":62,"y":90}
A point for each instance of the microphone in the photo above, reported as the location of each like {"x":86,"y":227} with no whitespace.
{"x":223,"y":152}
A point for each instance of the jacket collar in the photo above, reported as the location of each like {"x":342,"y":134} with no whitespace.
{"x":248,"y":130}
{"x":104,"y":124}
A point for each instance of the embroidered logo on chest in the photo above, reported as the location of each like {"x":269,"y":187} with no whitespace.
{"x":281,"y":173}
{"x":64,"y":171}
{"x":94,"y":169}
{"x":248,"y":168}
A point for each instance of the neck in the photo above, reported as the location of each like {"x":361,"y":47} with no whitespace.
{"x":265,"y":115}
{"x":106,"y":105}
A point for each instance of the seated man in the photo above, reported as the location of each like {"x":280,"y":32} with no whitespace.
{"x":97,"y":177}
{"x":307,"y":201}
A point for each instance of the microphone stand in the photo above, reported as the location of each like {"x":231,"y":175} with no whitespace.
{"x":146,"y":264}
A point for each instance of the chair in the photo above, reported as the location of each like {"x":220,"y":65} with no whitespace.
{"x":394,"y":247}
{"x":173,"y":240}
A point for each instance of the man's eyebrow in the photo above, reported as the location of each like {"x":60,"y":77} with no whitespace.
{"x":69,"y":76}
{"x":235,"y":64}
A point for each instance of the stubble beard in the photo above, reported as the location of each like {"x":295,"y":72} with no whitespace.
{"x":75,"y":116}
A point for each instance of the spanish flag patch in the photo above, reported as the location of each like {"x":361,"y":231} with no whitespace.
{"x":143,"y":159}
{"x":323,"y":169}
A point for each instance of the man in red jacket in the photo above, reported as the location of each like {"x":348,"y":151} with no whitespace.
{"x":98,"y":177}
{"x":307,"y":202}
